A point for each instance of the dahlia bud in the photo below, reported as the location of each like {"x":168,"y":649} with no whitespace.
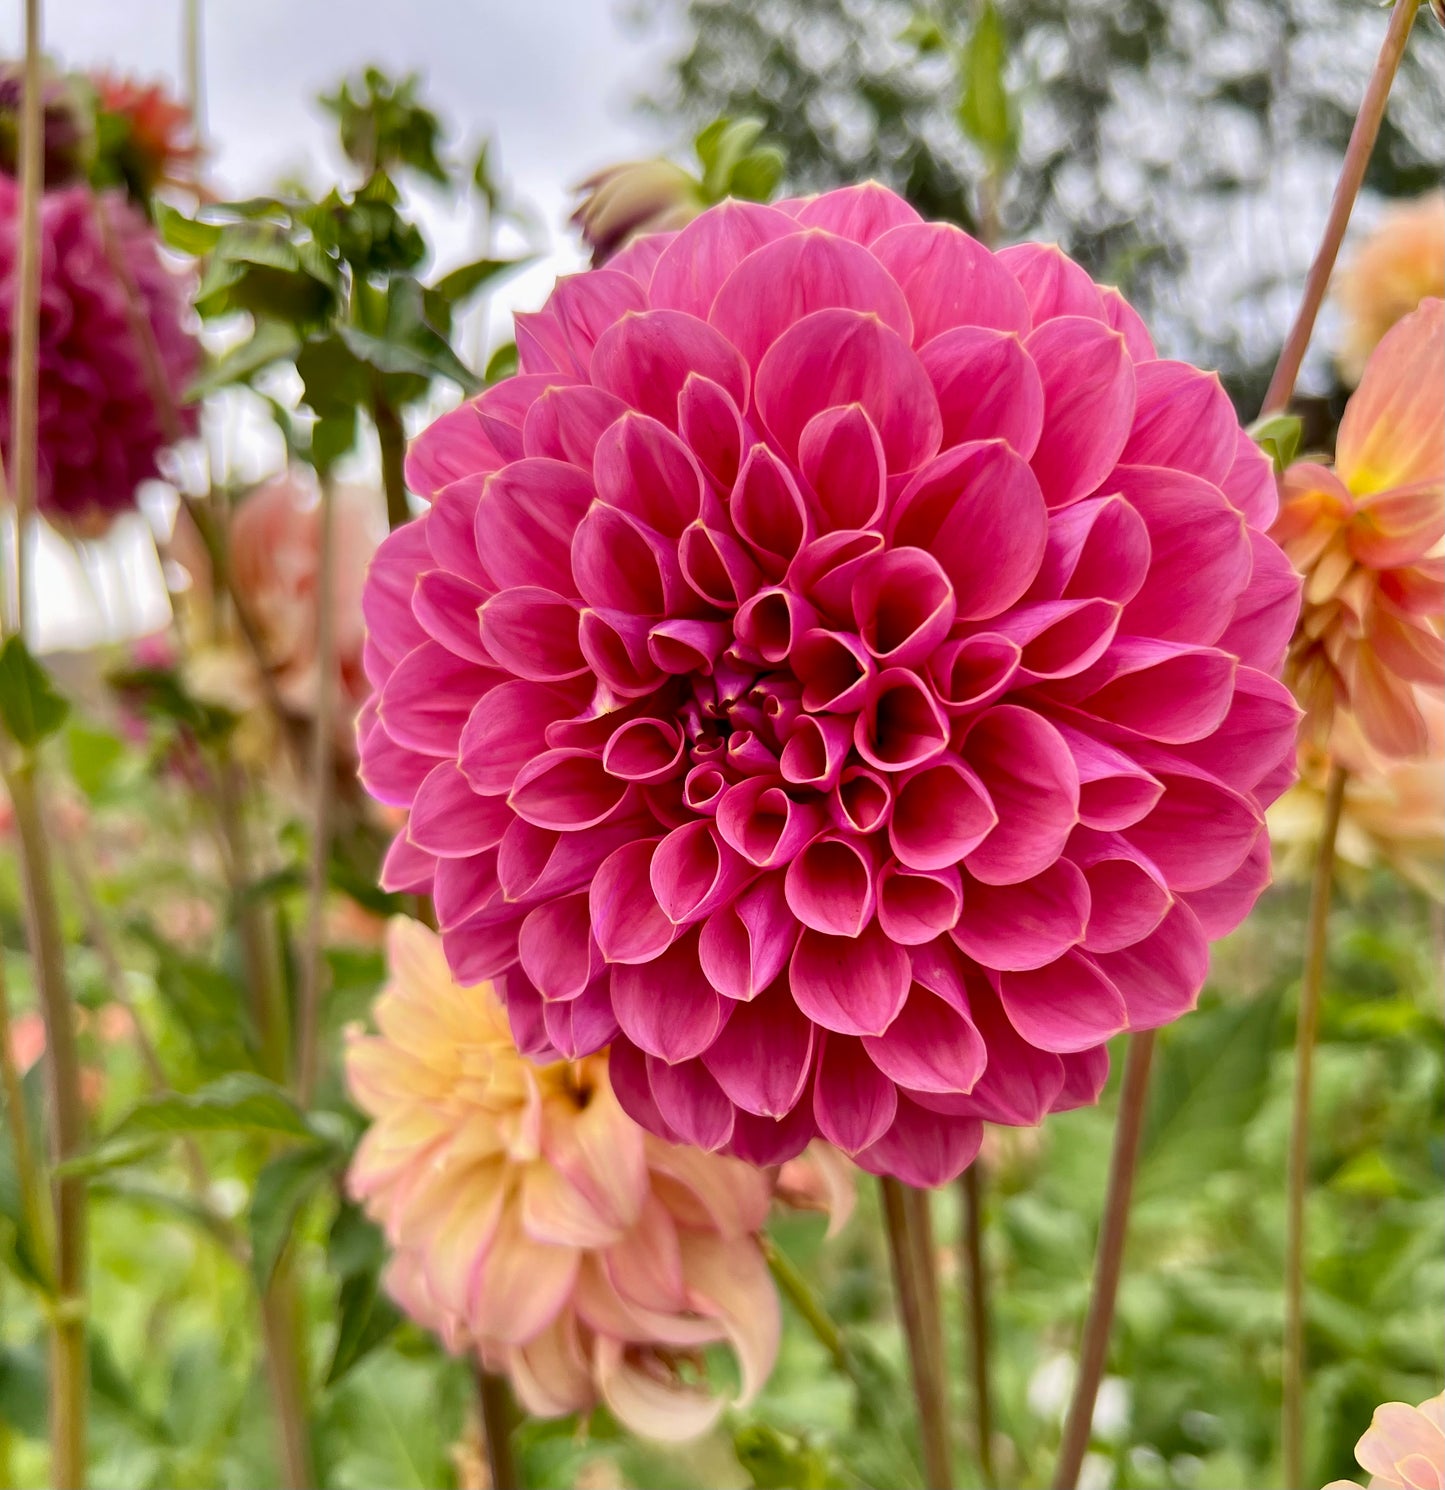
{"x":641,"y":196}
{"x":148,"y":137}
{"x":69,"y":132}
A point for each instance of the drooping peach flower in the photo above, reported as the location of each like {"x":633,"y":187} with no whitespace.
{"x":1400,"y":264}
{"x":536,"y":1224}
{"x":1403,"y":1448}
{"x":848,"y":658}
{"x":1394,"y":810}
{"x":1367,"y":535}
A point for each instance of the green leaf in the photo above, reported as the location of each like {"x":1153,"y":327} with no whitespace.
{"x":755,"y":178}
{"x":923,"y":34}
{"x":332,"y":436}
{"x":113,"y":1386}
{"x":356,"y":1252}
{"x":467,"y":279}
{"x":282,"y":1188}
{"x":985,"y":110}
{"x":237,"y":1103}
{"x":424,"y":354}
{"x":1279,"y":437}
{"x":502,"y":363}
{"x":183,"y":233}
{"x":30,"y":708}
{"x":94,"y":755}
{"x":23,"y":1391}
{"x":271,"y":341}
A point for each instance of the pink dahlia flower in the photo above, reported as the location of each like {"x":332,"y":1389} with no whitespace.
{"x":100,"y":434}
{"x":840,"y":671}
{"x":536,"y":1224}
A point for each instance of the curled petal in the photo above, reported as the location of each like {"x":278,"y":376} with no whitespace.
{"x":829,"y":886}
{"x":841,"y":458}
{"x":667,"y":1007}
{"x":942,"y":813}
{"x":693,"y":873}
{"x":764,"y":824}
{"x":971,"y":673}
{"x":627,"y":921}
{"x":915,"y":906}
{"x":901,"y":725}
{"x":903,"y":604}
{"x":1127,"y":894}
{"x":746,"y":943}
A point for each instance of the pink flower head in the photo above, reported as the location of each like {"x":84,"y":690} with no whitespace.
{"x":1403,"y":1448}
{"x":100,"y":432}
{"x":534,"y":1222}
{"x":840,"y":671}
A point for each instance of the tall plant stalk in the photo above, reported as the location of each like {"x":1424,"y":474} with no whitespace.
{"x":28,"y":1178}
{"x":499,"y":1414}
{"x":1297,"y":1175}
{"x":1109,"y":1260}
{"x":976,"y":1326}
{"x":911,"y":1282}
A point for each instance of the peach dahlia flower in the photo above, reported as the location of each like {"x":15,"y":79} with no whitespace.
{"x":535,"y":1223}
{"x":1403,"y":1448}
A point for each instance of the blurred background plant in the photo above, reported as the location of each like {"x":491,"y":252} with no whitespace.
{"x":216,"y":865}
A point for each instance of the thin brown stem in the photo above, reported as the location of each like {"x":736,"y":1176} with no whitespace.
{"x":193,"y":63}
{"x":313,"y":973}
{"x":1108,"y":1262}
{"x":68,"y":1382}
{"x":392,"y":439}
{"x":1297,"y":1180}
{"x":499,"y":1413}
{"x":970,"y":1187}
{"x":912,"y":1291}
{"x":281,"y":1330}
{"x":1347,"y":188}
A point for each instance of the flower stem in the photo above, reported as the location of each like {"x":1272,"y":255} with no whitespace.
{"x":798,"y":1292}
{"x":1108,"y":1262}
{"x":970,"y":1186}
{"x":392,"y":439}
{"x":313,"y":974}
{"x":1297,"y":1182}
{"x":27,"y":1163}
{"x":281,"y":1329}
{"x":915,"y":1282}
{"x":498,"y":1415}
{"x":1352,"y":172}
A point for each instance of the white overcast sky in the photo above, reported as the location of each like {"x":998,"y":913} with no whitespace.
{"x":551,"y":81}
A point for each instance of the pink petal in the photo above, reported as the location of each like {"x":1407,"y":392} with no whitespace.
{"x":683,"y":647}
{"x":626,"y":919}
{"x":717,"y":566}
{"x":1223,"y":906}
{"x":842,"y":460}
{"x":924,"y":1148}
{"x":627,"y":1073}
{"x":854,"y":1103}
{"x":557,"y":950}
{"x":1201,"y":556}
{"x":532,"y":632}
{"x":747,"y":943}
{"x":930,"y":1047}
{"x":562,"y":336}
{"x":1160,"y":976}
{"x":829,"y":886}
{"x":942,"y":813}
{"x":525,"y":521}
{"x":390,"y":772}
{"x":903,"y":604}
{"x":643,"y":468}
{"x":1251,"y":484}
{"x":646,"y":359}
{"x":780,"y":283}
{"x":667,"y":1007}
{"x":852,"y":985}
{"x":827,"y":569}
{"x":763,"y":1057}
{"x":615,"y":645}
{"x":1122,"y":316}
{"x":427,"y":699}
{"x":644,"y":749}
{"x":463,"y":887}
{"x":448,"y":819}
{"x":1017,"y":927}
{"x":1114,"y":791}
{"x":507,"y":729}
{"x":901,"y":725}
{"x":566,"y":790}
{"x":1058,"y":638}
{"x":691,"y":1102}
{"x":915,"y":905}
{"x":815,"y":754}
{"x":764,"y":824}
{"x":406,"y":870}
{"x":1089,"y":402}
{"x":1053,"y":284}
{"x":386,"y":600}
{"x":1127,"y":895}
{"x":975,"y":500}
{"x":623,"y":565}
{"x":835,"y":357}
{"x":1255,"y":735}
{"x":710,"y":424}
{"x":973,"y":672}
{"x":450,"y":447}
{"x":988,"y":388}
{"x":1096,"y":548}
{"x":447,"y":607}
{"x":768,"y":511}
{"x":1199,"y":832}
{"x":861,"y":800}
{"x":693,"y":873}
{"x":1167,"y":691}
{"x":566,"y":423}
{"x":950,"y":280}
{"x":451,"y":530}
{"x":1028,"y":771}
{"x":863,"y":212}
{"x":536,"y":863}
{"x":764,"y":1141}
{"x":1066,"y":1005}
{"x":693,"y":267}
{"x":1265,"y":614}
{"x":584,"y":1025}
{"x":1183,"y":418}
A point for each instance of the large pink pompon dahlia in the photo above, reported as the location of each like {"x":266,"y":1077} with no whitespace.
{"x":103,"y":279}
{"x":839,"y":670}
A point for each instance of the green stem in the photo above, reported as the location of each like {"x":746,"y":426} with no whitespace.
{"x":1108,"y":1262}
{"x":392,"y":439}
{"x":795,"y":1288}
{"x":323,"y":757}
{"x":970,"y":1196}
{"x":1352,"y":173}
{"x":913,"y":1291}
{"x":1297,"y":1180}
{"x":281,"y":1325}
{"x":28,"y":1177}
{"x":499,"y":1413}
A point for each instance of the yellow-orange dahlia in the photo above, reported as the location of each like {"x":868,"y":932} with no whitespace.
{"x":1368,"y":537}
{"x":534,"y":1222}
{"x":1398,"y":265}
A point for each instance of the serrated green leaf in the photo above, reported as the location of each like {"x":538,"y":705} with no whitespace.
{"x":270,"y":342}
{"x":30,"y":707}
{"x":240,"y":1102}
{"x":282,"y":1188}
{"x":467,"y":279}
{"x":985,"y":110}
